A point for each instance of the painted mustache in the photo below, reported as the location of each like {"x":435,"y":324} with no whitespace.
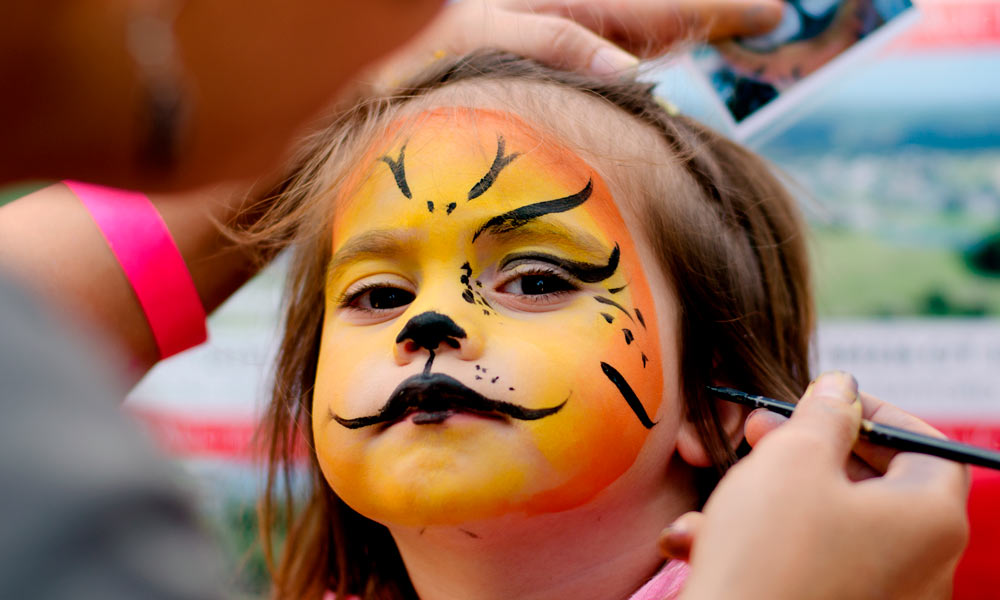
{"x":435,"y":397}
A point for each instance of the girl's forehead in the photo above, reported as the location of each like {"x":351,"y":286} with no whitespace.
{"x":447,"y":158}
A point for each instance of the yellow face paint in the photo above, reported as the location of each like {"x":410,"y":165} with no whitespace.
{"x":489,"y":343}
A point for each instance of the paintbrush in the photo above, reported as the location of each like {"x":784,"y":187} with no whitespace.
{"x":877,"y":433}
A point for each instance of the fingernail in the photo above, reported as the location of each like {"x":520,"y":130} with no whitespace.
{"x":675,"y":541}
{"x":613,"y":62}
{"x":837,"y":384}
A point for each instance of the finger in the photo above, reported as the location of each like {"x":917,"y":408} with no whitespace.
{"x":761,"y":422}
{"x":878,"y":457}
{"x":560,"y":43}
{"x":648,"y":27}
{"x":677,"y":538}
{"x":908,"y":467}
{"x":859,"y":470}
{"x":827,"y":418}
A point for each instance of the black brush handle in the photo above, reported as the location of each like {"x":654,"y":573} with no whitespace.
{"x":903,"y":440}
{"x":908,"y":441}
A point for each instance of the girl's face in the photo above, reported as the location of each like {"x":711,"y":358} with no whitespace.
{"x":490,"y":341}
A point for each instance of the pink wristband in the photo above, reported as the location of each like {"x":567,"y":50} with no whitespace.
{"x":152,"y":263}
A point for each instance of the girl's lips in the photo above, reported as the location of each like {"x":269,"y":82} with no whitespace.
{"x":434,"y":397}
{"x":423,"y":417}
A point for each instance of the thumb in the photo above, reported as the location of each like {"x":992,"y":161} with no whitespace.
{"x":829,"y":411}
{"x":677,"y":538}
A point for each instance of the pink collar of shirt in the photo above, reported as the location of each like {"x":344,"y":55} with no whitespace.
{"x":665,"y":585}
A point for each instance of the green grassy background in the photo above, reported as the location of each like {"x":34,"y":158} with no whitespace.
{"x":859,"y":274}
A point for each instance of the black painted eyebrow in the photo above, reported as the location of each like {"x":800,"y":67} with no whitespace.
{"x":585,"y":272}
{"x":499,"y":163}
{"x":518,"y":217}
{"x":399,"y":171}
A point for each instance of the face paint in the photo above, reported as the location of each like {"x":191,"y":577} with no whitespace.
{"x":489,"y":343}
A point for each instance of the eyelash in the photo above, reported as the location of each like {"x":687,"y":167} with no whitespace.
{"x":527,"y":270}
{"x":350,"y":296}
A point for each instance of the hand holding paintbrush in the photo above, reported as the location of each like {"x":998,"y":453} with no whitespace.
{"x":880,"y":434}
{"x":795,"y":519}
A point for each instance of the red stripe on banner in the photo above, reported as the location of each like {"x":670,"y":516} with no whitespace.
{"x":977,"y":576}
{"x":953,"y":25}
{"x":196,"y":437}
{"x":977,"y":433}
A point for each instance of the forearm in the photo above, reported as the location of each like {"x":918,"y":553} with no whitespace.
{"x":51,"y":242}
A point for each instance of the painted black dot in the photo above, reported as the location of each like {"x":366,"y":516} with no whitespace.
{"x":628,"y":336}
{"x":479,"y":283}
{"x":451,"y":207}
{"x":430,"y":206}
{"x":486,"y":312}
{"x":464,"y":279}
{"x":478,"y":378}
{"x":644,"y":360}
{"x":494,"y":380}
{"x":615,"y":290}
{"x":638,"y":315}
{"x":607,"y":317}
{"x":484,"y":369}
{"x":467,"y":296}
{"x":511,"y":389}
{"x":477,"y":367}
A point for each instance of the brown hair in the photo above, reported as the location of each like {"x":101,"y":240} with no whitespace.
{"x":732,"y":249}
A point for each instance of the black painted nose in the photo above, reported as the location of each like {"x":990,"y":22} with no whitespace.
{"x":429,"y":330}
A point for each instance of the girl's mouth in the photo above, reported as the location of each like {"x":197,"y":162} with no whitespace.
{"x":432,"y":398}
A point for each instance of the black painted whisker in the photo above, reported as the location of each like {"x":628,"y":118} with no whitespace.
{"x":399,"y":171}
{"x":628,"y":394}
{"x":499,"y":163}
{"x":611,"y":302}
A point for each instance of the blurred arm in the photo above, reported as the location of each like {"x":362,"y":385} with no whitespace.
{"x":49,"y":240}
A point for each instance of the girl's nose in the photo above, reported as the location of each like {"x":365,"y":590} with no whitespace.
{"x":434,"y":332}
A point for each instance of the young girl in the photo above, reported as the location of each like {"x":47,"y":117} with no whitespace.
{"x":510,"y":288}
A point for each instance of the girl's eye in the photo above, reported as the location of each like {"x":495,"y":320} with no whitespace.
{"x":379,"y":297}
{"x":538,"y":284}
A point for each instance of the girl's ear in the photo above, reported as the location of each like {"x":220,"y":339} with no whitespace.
{"x":689,"y":444}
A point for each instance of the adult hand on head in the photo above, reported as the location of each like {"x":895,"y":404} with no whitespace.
{"x":594,"y":36}
{"x":800,"y":517}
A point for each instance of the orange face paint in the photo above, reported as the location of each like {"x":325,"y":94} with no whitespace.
{"x":482,"y":278}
